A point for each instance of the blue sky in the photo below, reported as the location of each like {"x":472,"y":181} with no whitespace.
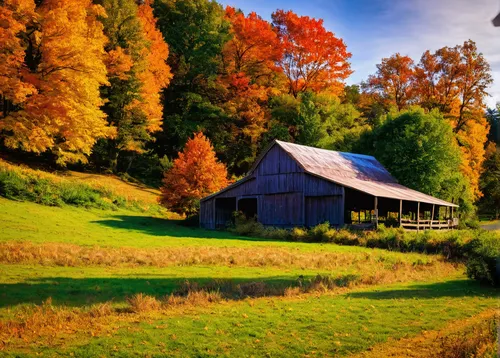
{"x":378,"y":28}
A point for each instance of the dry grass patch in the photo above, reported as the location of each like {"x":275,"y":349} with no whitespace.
{"x":470,"y":338}
{"x":58,"y":254}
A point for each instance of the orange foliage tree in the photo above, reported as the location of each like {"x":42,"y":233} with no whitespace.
{"x":314,"y":58}
{"x":64,"y":65}
{"x":255,"y":48}
{"x":455,"y":81}
{"x":14,"y":16}
{"x":195,"y":174}
{"x":155,"y":74}
{"x":394,"y":80}
{"x":250,"y":77}
{"x":137,"y":72}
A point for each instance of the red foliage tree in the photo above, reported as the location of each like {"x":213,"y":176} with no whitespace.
{"x":394,"y":80}
{"x":314,"y":58}
{"x":255,"y":47}
{"x":195,"y":174}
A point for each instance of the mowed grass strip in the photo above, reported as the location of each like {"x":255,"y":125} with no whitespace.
{"x":323,"y":325}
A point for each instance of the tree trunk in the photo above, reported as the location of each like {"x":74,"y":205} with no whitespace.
{"x":113,"y":160}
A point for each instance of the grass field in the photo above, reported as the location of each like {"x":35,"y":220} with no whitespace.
{"x":71,"y":281}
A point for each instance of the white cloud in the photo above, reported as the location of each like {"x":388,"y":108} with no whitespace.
{"x":432,"y":24}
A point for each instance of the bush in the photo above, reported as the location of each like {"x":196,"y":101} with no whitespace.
{"x":480,"y":249}
{"x":483,"y":255}
{"x":299,"y":234}
{"x":318,"y":232}
{"x":247,"y":226}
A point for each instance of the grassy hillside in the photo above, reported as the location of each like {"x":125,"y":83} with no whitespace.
{"x":87,"y":282}
{"x":76,"y":189}
{"x":94,"y":272}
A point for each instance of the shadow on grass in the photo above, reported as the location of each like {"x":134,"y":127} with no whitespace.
{"x":164,"y":227}
{"x":452,"y":289}
{"x":80,"y":292}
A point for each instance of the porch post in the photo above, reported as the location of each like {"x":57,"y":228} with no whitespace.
{"x":418,"y":216}
{"x":401,"y":213}
{"x":376,"y":212}
{"x":432,"y":217}
{"x":452,"y":217}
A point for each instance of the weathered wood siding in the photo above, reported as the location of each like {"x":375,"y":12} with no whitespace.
{"x":277,"y":161}
{"x":207,"y":214}
{"x":314,"y":186}
{"x":286,"y":196}
{"x":320,"y":209}
{"x":282,"y":210}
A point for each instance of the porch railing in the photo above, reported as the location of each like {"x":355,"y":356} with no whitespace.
{"x":429,"y":224}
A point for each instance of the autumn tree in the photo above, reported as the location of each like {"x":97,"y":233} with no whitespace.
{"x":57,"y":102}
{"x":137,"y":73}
{"x":14,"y":88}
{"x":314,"y":59}
{"x":464,"y":76}
{"x":453,"y":80}
{"x":195,"y":174}
{"x":254,"y":48}
{"x":155,"y":75}
{"x":250,"y":76}
{"x":394,"y":80}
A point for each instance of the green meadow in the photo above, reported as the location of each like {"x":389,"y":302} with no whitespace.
{"x":91,"y":282}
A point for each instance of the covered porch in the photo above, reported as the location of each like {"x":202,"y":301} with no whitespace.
{"x":365,"y":211}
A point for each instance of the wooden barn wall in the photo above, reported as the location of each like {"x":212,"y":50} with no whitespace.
{"x":277,"y":161}
{"x":286,"y":195}
{"x":207,"y":214}
{"x":281,"y":210}
{"x":247,"y":188}
{"x":320,"y":209}
{"x":314,"y":186}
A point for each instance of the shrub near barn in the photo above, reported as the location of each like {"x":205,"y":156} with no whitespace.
{"x":479,"y":249}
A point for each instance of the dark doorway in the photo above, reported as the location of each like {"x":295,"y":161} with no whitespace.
{"x":248,"y":206}
{"x":224,"y":209}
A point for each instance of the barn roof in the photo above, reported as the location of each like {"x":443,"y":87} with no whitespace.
{"x":356,"y":171}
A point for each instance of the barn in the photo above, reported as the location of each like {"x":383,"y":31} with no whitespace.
{"x":293,"y":185}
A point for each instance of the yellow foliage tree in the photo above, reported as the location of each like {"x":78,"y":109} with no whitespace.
{"x":14,"y":15}
{"x":64,"y":57}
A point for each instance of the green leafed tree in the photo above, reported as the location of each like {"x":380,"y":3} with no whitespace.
{"x":490,"y":182}
{"x":420,"y":150}
{"x":126,"y":42}
{"x":196,"y":33}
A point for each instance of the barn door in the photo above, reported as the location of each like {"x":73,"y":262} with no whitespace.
{"x":320,"y":209}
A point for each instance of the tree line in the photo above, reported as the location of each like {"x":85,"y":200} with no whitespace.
{"x":121,"y":85}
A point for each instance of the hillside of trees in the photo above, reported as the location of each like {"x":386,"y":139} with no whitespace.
{"x":120,"y":86}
